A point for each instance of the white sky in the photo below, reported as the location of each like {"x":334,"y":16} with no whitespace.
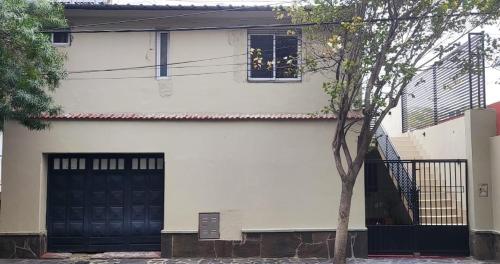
{"x":492,"y":74}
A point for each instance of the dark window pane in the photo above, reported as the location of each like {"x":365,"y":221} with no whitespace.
{"x":163,"y":54}
{"x":286,"y":57}
{"x":265,"y":44}
{"x":60,"y":37}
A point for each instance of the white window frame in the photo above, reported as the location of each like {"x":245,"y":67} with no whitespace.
{"x":158,"y":59}
{"x":60,"y":44}
{"x":273,"y":79}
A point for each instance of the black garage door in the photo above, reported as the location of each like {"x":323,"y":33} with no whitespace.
{"x":105,"y":202}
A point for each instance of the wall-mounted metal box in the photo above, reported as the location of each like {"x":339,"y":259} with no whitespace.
{"x":209,"y":226}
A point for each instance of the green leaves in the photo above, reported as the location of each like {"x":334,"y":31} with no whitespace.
{"x":30,"y":67}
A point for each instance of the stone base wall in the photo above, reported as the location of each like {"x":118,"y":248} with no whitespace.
{"x":22,"y":246}
{"x":485,"y":245}
{"x":263,"y":245}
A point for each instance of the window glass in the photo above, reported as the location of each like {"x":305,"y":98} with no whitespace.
{"x":60,"y":37}
{"x":262,"y":44}
{"x":162,"y":56}
{"x":286,"y":57}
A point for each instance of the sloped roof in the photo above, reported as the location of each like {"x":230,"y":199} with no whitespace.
{"x":104,"y":6}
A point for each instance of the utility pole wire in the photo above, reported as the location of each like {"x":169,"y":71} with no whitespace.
{"x":180,"y":62}
{"x":258,"y":26}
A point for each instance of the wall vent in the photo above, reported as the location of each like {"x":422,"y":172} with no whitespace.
{"x":209,"y":225}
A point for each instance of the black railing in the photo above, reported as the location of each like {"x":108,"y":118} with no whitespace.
{"x":405,"y":184}
{"x":454,"y":84}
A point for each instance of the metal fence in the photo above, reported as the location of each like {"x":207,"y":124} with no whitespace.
{"x":436,"y":193}
{"x":398,"y":172}
{"x":452,"y":85}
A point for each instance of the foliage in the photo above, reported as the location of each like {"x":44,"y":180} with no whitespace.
{"x":30,"y":67}
{"x":370,"y":50}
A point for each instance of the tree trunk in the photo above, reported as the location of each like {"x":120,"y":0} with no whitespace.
{"x":341,"y":234}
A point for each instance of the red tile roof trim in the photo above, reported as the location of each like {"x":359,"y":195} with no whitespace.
{"x":193,"y":116}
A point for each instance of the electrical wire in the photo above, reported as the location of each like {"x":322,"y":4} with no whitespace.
{"x":257,"y":26}
{"x":181,"y":62}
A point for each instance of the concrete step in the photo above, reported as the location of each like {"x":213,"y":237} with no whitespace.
{"x":438,"y":219}
{"x":436,"y":202}
{"x":430,"y":211}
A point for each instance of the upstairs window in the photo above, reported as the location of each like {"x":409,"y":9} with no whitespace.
{"x":274,"y":56}
{"x":60,"y":38}
{"x":161,"y":54}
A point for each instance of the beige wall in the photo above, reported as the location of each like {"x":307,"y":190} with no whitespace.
{"x":442,"y":141}
{"x":260,"y":175}
{"x":392,"y":122}
{"x":495,"y":181}
{"x":221,"y":92}
{"x":480,"y":125}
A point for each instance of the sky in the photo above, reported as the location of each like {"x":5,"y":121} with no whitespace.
{"x":492,"y":74}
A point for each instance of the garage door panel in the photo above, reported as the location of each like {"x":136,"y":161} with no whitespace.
{"x":115,"y":213}
{"x":115,"y":228}
{"x":98,"y":228}
{"x":76,"y":181}
{"x":98,"y":213}
{"x":76,"y":213}
{"x":156,"y":197}
{"x":115,"y":198}
{"x":138,"y":197}
{"x":98,"y":197}
{"x":155,"y":227}
{"x":106,"y":205}
{"x":139,"y":181}
{"x":58,"y":228}
{"x":138,"y":212}
{"x":156,"y":213}
{"x":115,"y":182}
{"x":76,"y":228}
{"x":156,"y":182}
{"x":76,"y":197}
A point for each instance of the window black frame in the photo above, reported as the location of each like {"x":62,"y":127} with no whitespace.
{"x":68,"y":38}
{"x":159,"y":66}
{"x":274,"y":77}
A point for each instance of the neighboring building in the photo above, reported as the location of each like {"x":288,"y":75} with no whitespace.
{"x":201,"y":155}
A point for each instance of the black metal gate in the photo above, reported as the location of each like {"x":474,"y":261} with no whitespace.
{"x":104,"y":202}
{"x":428,"y":207}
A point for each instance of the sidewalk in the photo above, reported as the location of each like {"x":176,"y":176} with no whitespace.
{"x":88,"y":260}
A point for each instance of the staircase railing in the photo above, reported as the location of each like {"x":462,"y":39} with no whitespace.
{"x":406,"y":184}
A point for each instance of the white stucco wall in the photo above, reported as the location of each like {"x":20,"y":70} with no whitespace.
{"x":261,"y":175}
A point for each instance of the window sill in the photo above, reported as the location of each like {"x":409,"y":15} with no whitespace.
{"x":163,"y":78}
{"x":61,"y":44}
{"x":256,"y":80}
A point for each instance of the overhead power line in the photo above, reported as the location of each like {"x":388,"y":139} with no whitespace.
{"x":258,"y":26}
{"x":182,"y":62}
{"x":192,"y":74}
{"x":172,"y":75}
